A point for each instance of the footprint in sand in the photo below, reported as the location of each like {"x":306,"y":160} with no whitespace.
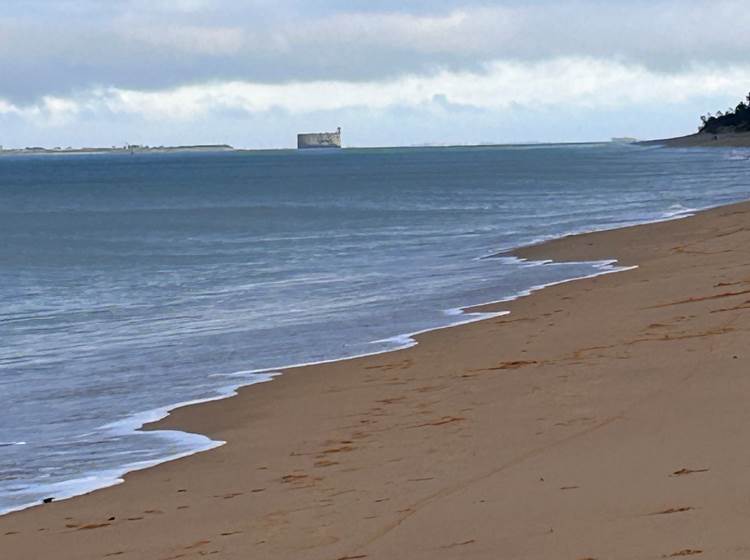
{"x":293,"y":477}
{"x":673,"y":510}
{"x":457,"y":544}
{"x":683,"y":472}
{"x":342,"y":449}
{"x":684,"y":552}
{"x":93,"y":526}
{"x":197,"y":544}
{"x":442,"y":421}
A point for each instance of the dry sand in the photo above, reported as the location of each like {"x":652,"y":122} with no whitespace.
{"x":602,"y":419}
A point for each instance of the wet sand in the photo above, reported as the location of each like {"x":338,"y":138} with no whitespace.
{"x":605,"y":418}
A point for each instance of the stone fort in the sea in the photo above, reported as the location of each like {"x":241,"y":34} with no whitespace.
{"x":319,"y":140}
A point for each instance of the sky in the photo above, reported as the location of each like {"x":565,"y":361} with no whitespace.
{"x":253,"y":73}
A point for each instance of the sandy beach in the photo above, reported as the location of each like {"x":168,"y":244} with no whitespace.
{"x":603,"y":418}
{"x":704,"y":140}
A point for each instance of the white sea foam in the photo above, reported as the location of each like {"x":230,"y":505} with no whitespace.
{"x":739,"y":155}
{"x":134,"y":423}
{"x":66,"y":489}
{"x":191,"y":442}
{"x":679,"y":211}
{"x":408,"y":340}
{"x":197,"y":443}
{"x":674,"y":212}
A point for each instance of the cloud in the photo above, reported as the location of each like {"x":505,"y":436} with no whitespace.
{"x":499,"y":85}
{"x":189,"y":39}
{"x":140,"y":64}
{"x":149,"y":44}
{"x":169,"y":6}
{"x":49,"y":111}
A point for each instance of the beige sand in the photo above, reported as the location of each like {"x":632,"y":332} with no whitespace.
{"x":721,"y":140}
{"x":605,"y":418}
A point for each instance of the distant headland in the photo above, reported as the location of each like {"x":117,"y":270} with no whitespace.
{"x":126,"y":149}
{"x":725,"y":128}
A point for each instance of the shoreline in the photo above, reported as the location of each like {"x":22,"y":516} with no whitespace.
{"x":697,"y":140}
{"x":149,"y":420}
{"x":703,"y":140}
{"x":196,"y":442}
{"x":584,"y":247}
{"x":207,"y":148}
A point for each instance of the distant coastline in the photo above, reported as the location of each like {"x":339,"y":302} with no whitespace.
{"x":127,"y":149}
{"x":704,"y":139}
{"x":730,"y":128}
{"x":699,"y":139}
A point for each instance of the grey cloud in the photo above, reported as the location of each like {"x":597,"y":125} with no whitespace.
{"x":58,"y":47}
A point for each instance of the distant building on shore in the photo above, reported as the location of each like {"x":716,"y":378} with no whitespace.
{"x":319,"y":140}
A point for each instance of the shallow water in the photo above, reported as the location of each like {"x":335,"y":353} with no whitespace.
{"x":131,"y":283}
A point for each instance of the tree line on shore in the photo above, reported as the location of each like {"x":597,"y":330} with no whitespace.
{"x":734,"y":120}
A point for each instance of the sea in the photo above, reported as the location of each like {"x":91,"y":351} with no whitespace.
{"x":131,"y":284}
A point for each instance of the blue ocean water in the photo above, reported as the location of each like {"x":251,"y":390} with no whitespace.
{"x":131,"y":283}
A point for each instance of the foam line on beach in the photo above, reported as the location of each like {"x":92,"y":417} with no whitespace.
{"x":407,"y":340}
{"x":198,"y":443}
{"x":97,"y":480}
{"x":134,"y":424}
{"x":674,"y":212}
